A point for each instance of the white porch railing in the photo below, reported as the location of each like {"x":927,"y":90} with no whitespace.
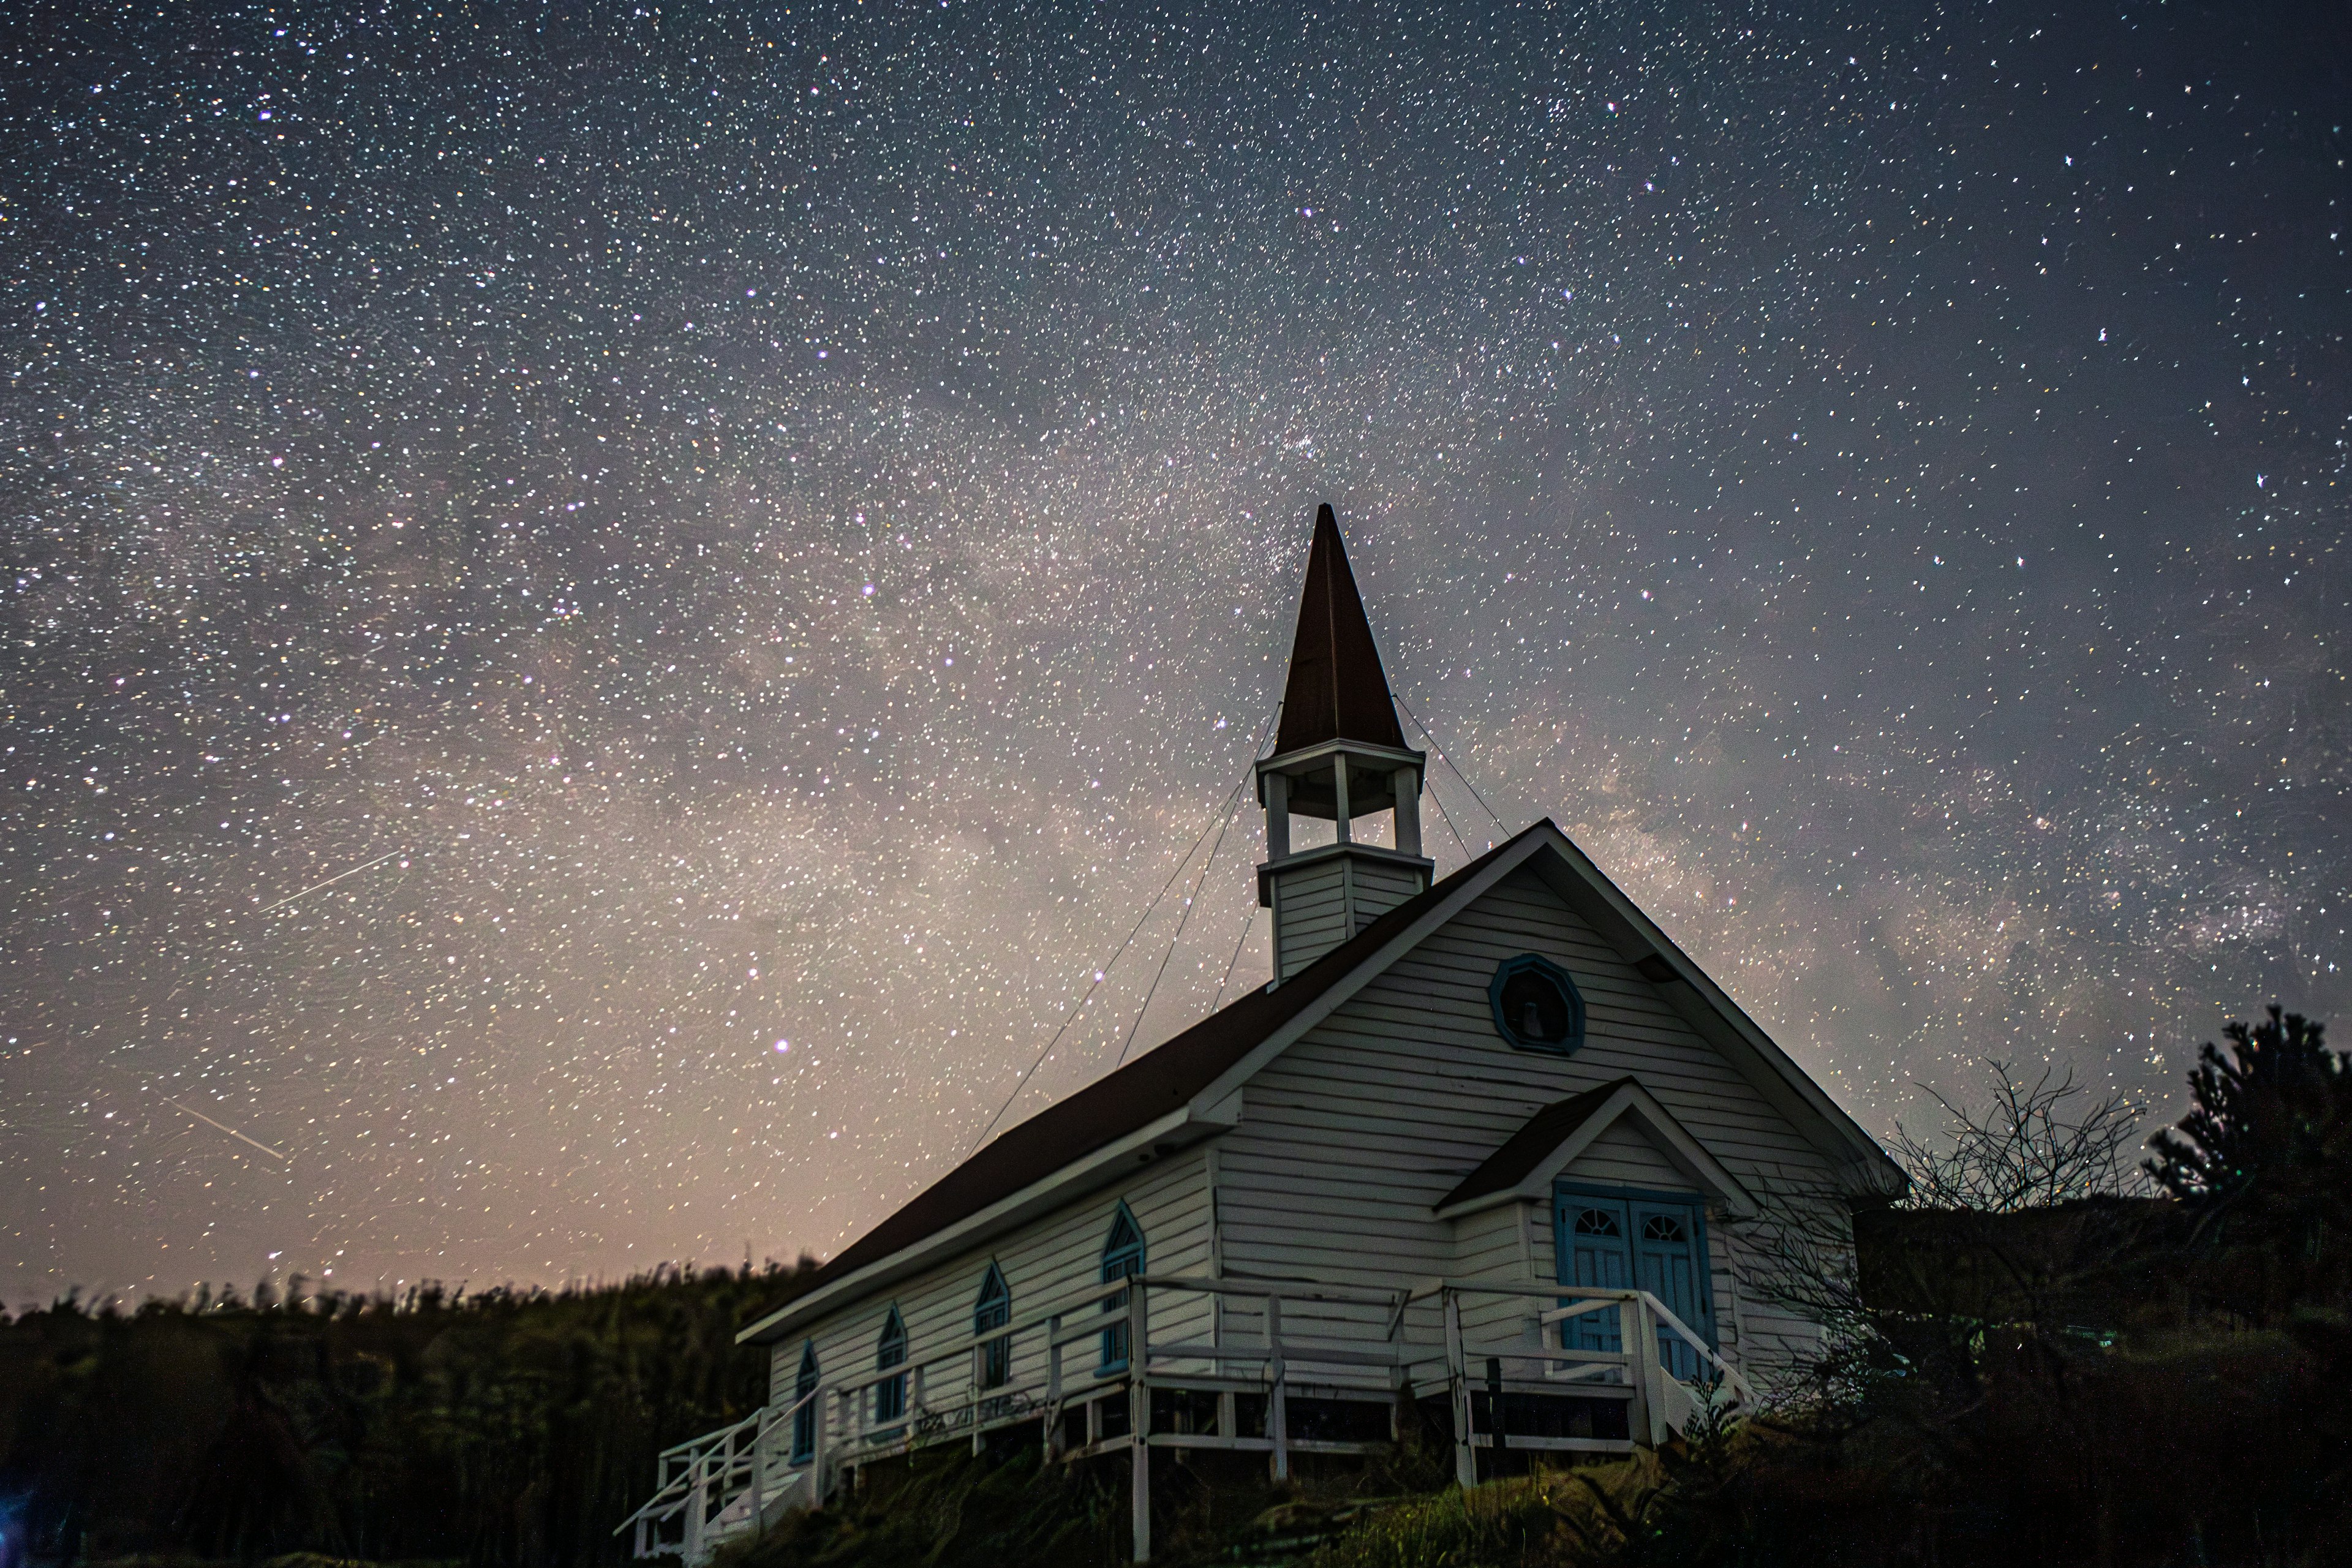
{"x":741,"y":1478}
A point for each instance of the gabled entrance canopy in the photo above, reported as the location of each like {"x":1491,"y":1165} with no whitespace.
{"x":1524,"y":1168}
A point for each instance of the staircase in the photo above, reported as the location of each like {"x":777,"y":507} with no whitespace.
{"x":735,"y":1481}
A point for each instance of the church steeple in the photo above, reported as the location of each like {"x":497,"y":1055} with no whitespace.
{"x":1338,"y":755}
{"x":1337,"y":690}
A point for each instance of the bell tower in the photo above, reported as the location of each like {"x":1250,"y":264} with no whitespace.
{"x":1338,"y":756}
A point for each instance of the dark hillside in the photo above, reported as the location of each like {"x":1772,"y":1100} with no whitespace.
{"x":499,"y":1428}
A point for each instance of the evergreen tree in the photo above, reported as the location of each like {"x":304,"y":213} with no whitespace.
{"x":2265,"y":1158}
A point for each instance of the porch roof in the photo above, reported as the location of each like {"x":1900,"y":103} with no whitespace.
{"x":1551,"y":1139}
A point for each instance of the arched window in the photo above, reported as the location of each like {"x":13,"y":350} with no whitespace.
{"x":1122,"y":1258}
{"x":805,"y":1418}
{"x":994,"y":1310}
{"x":889,"y":1351}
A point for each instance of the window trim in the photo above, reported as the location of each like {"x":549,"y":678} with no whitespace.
{"x":1114,"y":1339}
{"x":1532,"y":962}
{"x":806,"y":1380}
{"x":995,"y":1369}
{"x":890,"y":1391}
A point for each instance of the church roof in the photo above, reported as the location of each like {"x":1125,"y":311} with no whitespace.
{"x":1155,"y":1083}
{"x":1220,"y":1049}
{"x":1337,"y":690}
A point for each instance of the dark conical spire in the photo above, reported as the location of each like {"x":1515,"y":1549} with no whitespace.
{"x":1337,"y":690}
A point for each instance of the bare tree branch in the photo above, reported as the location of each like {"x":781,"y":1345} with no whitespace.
{"x":2031,"y":1145}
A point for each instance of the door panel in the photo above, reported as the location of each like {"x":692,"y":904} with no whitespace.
{"x":1654,"y":1242}
{"x":1668,"y":1262}
{"x":1594,"y":1249}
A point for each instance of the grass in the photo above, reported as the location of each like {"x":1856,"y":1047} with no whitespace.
{"x":1550,"y":1517}
{"x":949,"y":1509}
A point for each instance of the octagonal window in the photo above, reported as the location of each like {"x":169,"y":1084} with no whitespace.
{"x":1536,"y":1006}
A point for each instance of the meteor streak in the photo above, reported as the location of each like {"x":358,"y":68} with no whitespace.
{"x":225,"y":1127}
{"x":314,"y":887}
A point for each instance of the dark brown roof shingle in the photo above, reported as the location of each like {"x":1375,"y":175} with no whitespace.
{"x":1523,"y":1151}
{"x":1337,"y":690}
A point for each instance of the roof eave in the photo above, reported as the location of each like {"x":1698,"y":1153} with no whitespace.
{"x":1628,"y":1099}
{"x":1185,"y":1126}
{"x":1861,"y":1165}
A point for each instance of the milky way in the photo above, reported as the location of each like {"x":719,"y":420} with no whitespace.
{"x":750,"y":541}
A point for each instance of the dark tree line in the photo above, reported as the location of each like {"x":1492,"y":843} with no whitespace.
{"x":2054,"y":1355}
{"x":501,"y":1429}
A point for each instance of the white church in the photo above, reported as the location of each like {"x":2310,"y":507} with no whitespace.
{"x":1490,"y":1155}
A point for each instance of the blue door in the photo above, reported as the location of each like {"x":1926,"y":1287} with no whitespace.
{"x":1617,"y":1239}
{"x":1593,"y":1251}
{"x":1670,"y":1262}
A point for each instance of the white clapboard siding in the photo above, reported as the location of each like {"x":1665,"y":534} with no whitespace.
{"x":1780,"y":1287}
{"x":1493,"y":1244}
{"x":1623,"y":1157}
{"x":1310,"y":912}
{"x":1380,"y":888}
{"x":1044,"y":1261}
{"x":1356,"y":1131}
{"x":1321,"y":905}
{"x":1352,"y":1135}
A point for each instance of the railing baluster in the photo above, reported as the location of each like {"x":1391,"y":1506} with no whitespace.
{"x":1457,"y":1385}
{"x":1138,"y":1417}
{"x":1053,"y":1433}
{"x":1397,"y":1379}
{"x":1641,"y":1419}
{"x":715,"y":1485}
{"x":758,"y":1473}
{"x":1277,"y":1397}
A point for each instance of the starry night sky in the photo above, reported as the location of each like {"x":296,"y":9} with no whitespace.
{"x":727,"y":526}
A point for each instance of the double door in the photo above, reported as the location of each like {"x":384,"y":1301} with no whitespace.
{"x":1620,"y":1239}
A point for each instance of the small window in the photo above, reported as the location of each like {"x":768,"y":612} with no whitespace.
{"x":889,"y":1351}
{"x":1662,"y":1228}
{"x":1596,"y":1222}
{"x":994,"y":1310}
{"x":1122,"y":1259}
{"x":1536,"y":1006}
{"x":805,"y":1417}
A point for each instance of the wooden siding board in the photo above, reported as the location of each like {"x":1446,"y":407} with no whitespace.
{"x":1622,"y":1157}
{"x":1053,"y":1256}
{"x":1374,"y":1081}
{"x":1310,"y":914}
{"x":1317,"y":907}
